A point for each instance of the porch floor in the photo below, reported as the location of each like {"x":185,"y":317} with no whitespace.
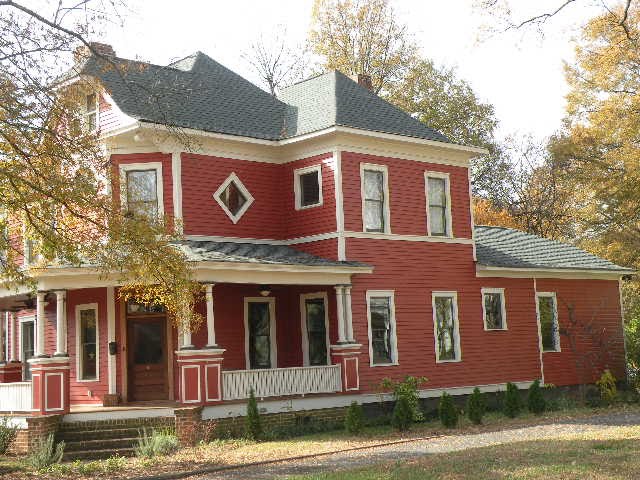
{"x":149,"y":405}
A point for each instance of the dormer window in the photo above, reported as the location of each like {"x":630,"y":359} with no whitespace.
{"x":233,"y":197}
{"x":308,"y":187}
{"x":141,"y":189}
{"x":91,"y":112}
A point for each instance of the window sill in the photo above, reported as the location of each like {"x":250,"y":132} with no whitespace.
{"x":94,"y":380}
{"x":393,"y":364}
{"x":496,"y":329}
{"x":307,"y":207}
{"x":449,"y":361}
{"x":552,"y":351}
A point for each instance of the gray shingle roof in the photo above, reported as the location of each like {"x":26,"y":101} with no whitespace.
{"x":258,"y":253}
{"x":197,"y":92}
{"x":506,"y":247}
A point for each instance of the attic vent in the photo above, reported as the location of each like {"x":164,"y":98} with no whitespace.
{"x":233,"y":197}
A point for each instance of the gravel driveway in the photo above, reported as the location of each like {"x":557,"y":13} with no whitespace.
{"x":449,"y":443}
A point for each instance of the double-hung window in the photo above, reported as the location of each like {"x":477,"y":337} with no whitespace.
{"x":375,"y":198}
{"x":445,"y":326}
{"x":142,"y":189}
{"x":493,"y":309}
{"x":548,"y":320}
{"x":383,"y":348}
{"x":91,"y":112}
{"x":87,"y":341}
{"x":438,"y":204}
{"x":308,"y":187}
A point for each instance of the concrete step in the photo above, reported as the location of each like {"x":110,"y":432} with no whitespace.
{"x":80,"y":435}
{"x":97,"y":454}
{"x":102,"y":444}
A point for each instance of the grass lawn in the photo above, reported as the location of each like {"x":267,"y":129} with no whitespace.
{"x":579,"y":459}
{"x":231,"y":452}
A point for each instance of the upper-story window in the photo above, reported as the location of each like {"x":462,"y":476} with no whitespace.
{"x":142,"y":189}
{"x":91,"y":112}
{"x":308,"y":187}
{"x":233,"y":197}
{"x":375,"y":198}
{"x":438,"y":204}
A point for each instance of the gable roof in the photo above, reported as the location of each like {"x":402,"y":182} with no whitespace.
{"x":509,"y":248}
{"x":199,"y":93}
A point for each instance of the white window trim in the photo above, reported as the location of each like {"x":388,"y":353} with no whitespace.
{"x":303,"y":320}
{"x":456,"y":330}
{"x":447,"y":188}
{"x":557,"y":320}
{"x":298,"y":190}
{"x":86,"y":112}
{"x":143,"y":167}
{"x":79,"y":373}
{"x":503,"y":306}
{"x":387,"y":199}
{"x":394,"y":337}
{"x":272,"y":330}
{"x":21,"y":320}
{"x":234,"y":178}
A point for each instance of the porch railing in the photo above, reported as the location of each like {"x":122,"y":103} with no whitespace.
{"x":15,"y":397}
{"x":276,"y":382}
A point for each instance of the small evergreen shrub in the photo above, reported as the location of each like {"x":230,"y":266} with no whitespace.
{"x":354,"y":421}
{"x":155,"y":443}
{"x":607,"y":387}
{"x":252,"y":422}
{"x":535,"y":400}
{"x":402,"y":414}
{"x":512,"y":404}
{"x":45,"y":454}
{"x":448,"y":411}
{"x":592,"y":397}
{"x":408,"y":389}
{"x":476,"y":406}
{"x":7,"y":435}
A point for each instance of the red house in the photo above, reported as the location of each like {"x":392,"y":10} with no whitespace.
{"x":335,"y":236}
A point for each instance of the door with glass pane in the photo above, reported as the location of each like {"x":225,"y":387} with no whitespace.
{"x":260,"y":334}
{"x":147,"y":358}
{"x":27,"y":331}
{"x":315,"y":330}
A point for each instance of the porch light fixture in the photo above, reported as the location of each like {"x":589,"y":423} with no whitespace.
{"x":265,"y":290}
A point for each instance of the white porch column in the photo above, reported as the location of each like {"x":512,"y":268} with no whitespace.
{"x":61,"y":323}
{"x":13,"y":338}
{"x":4,"y":324}
{"x":340,"y":309}
{"x":211,"y":329}
{"x":186,"y":337}
{"x":347,"y":314}
{"x":40,"y":321}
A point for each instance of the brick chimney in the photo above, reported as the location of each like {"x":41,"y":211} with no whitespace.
{"x":364,"y":80}
{"x":83,"y":51}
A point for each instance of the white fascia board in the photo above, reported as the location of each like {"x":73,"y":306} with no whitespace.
{"x":561,"y":273}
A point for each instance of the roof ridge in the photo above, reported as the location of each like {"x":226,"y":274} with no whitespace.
{"x":312,"y":77}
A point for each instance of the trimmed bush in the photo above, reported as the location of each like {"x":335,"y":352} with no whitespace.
{"x":155,"y":443}
{"x":535,"y":400}
{"x":7,"y":435}
{"x":407,"y":388}
{"x":46,"y":453}
{"x":448,"y":411}
{"x":402,"y":414}
{"x":512,"y":404}
{"x":252,"y":422}
{"x":354,"y":421}
{"x":476,"y":406}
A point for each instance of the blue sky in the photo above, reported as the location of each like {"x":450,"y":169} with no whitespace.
{"x":520,"y":73}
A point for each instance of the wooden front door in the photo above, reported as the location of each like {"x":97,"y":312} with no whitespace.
{"x":147,"y":358}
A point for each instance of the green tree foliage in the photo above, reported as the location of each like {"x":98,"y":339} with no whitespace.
{"x":447,"y":411}
{"x":253,"y":422}
{"x":535,"y":399}
{"x":476,"y":406}
{"x":354,"y":421}
{"x":402,"y":414}
{"x":512,"y":402}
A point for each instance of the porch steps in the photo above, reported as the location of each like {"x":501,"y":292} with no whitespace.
{"x":105,"y":438}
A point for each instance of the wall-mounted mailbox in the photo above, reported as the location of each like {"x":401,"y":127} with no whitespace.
{"x":113,"y":348}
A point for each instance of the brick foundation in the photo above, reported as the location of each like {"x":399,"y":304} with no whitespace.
{"x":188,"y":425}
{"x":111,"y":400}
{"x":40,"y":427}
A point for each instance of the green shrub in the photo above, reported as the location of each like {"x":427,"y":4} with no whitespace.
{"x":402,"y":414}
{"x":448,"y":411}
{"x":354,"y":421}
{"x":252,"y":422}
{"x":592,"y":396}
{"x":299,"y":429}
{"x":45,"y":454}
{"x":535,"y":400}
{"x":607,"y":387}
{"x":8,"y":434}
{"x":512,"y":403}
{"x":407,"y":389}
{"x":476,"y":406}
{"x":154,"y":443}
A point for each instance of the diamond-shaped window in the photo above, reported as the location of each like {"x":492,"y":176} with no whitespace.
{"x":233,"y":197}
